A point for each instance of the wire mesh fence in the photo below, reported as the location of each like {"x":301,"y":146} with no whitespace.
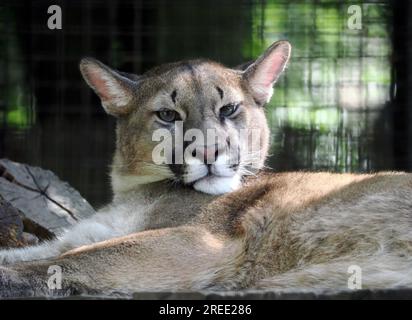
{"x":332,"y":110}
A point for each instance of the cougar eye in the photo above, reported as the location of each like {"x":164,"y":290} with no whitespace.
{"x":167,"y":115}
{"x":228,"y":110}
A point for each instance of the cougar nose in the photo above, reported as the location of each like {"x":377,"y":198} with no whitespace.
{"x":207,"y":154}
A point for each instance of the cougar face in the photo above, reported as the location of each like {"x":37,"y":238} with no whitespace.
{"x":195,"y":122}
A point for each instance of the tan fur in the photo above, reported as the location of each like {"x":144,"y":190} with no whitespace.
{"x":280,"y":231}
{"x":287,"y":231}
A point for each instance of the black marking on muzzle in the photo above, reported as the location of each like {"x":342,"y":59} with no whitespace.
{"x":178,"y":168}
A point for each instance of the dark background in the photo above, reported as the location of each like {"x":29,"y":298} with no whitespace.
{"x":343,"y":105}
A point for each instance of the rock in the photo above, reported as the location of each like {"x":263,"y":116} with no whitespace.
{"x":47,"y":204}
{"x":11,"y":226}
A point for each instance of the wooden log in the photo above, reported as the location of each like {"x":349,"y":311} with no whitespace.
{"x":46,"y":204}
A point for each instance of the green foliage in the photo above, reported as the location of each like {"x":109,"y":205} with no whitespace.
{"x":19,"y":113}
{"x":18,"y":109}
{"x":332,"y":69}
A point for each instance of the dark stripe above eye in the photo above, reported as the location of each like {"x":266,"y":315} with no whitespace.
{"x":173,"y":96}
{"x":220,"y":92}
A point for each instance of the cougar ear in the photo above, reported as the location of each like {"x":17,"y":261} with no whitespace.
{"x":114,"y":89}
{"x":263,"y":73}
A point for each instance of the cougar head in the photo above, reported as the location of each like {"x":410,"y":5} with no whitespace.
{"x":194,"y":122}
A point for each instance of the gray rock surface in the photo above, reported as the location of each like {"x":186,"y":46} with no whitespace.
{"x":41,"y":196}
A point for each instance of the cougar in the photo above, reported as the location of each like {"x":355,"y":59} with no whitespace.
{"x":223,"y":224}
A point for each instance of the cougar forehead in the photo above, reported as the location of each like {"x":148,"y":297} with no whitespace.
{"x":193,"y":86}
